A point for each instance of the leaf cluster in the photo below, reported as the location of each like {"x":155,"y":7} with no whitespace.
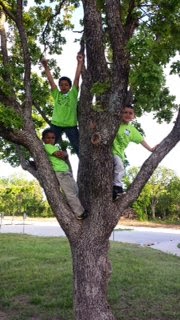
{"x":9,"y":118}
{"x":160,"y":193}
{"x":19,"y":196}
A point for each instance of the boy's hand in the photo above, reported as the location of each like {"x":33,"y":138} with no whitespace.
{"x":154,"y":148}
{"x":61,"y":155}
{"x":44,"y":62}
{"x":80,"y":57}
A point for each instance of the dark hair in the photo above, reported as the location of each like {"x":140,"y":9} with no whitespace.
{"x":46,"y":131}
{"x":129,"y":106}
{"x":65,"y":79}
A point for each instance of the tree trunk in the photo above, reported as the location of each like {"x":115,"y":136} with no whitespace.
{"x":92,"y":270}
{"x":153,"y":209}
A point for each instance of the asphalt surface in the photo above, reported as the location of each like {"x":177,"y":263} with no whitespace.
{"x":163,"y":239}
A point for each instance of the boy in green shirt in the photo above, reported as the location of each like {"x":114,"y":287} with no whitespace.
{"x":67,"y":183}
{"x":127,"y":133}
{"x":64,"y":118}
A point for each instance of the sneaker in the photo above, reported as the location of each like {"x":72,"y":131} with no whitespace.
{"x":83,"y":215}
{"x":117,"y":191}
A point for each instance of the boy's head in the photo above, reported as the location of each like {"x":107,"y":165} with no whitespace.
{"x":128,"y":114}
{"x":49,"y":136}
{"x":65,"y":84}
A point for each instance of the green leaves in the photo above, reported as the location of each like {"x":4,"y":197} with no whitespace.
{"x":9,"y":118}
{"x":160,"y":195}
{"x":147,"y":77}
{"x":19,"y":196}
{"x":100,"y":88}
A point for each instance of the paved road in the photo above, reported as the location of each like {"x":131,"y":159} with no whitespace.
{"x":158,"y":238}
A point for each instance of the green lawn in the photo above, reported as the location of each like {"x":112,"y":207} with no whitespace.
{"x":36,"y":280}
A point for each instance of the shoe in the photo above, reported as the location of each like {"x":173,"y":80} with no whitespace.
{"x":117,"y":191}
{"x":83,"y":215}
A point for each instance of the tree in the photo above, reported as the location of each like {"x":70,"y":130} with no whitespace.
{"x":156,"y":199}
{"x":106,"y":24}
{"x":168,"y":206}
{"x":19,"y":196}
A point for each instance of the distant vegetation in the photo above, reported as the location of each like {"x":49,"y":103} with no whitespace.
{"x":159,"y":200}
{"x":19,"y":196}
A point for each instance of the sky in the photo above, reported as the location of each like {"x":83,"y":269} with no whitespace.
{"x":136,"y":154}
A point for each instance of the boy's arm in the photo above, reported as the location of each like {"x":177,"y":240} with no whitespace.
{"x":60,"y":154}
{"x":48,"y":73}
{"x":146,"y":145}
{"x":80,"y":65}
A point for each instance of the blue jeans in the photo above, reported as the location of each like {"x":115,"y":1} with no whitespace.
{"x":71,"y":132}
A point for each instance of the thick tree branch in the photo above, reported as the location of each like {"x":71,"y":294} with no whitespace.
{"x":46,"y":178}
{"x":118,"y":42}
{"x":96,"y":62}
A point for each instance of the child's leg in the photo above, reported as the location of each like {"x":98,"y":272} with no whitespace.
{"x":69,"y":187}
{"x":73,"y":136}
{"x":58,"y":132}
{"x":119,"y":171}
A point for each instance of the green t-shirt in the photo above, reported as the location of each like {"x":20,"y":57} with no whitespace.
{"x":127,"y":133}
{"x":65,"y":108}
{"x":58,"y":165}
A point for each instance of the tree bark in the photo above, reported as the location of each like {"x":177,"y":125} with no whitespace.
{"x":92,"y":270}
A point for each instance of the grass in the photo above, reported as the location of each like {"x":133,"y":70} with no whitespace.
{"x":36,"y":280}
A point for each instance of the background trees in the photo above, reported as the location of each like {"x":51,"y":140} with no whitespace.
{"x":19,"y":196}
{"x":159,"y":199}
{"x":110,"y":29}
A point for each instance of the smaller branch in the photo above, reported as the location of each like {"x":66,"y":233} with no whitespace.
{"x":9,"y":134}
{"x":7,"y":12}
{"x":10,"y":102}
{"x":59,"y":8}
{"x":131,"y":22}
{"x":42,"y":113}
{"x":25,"y":164}
{"x":27,"y":63}
{"x":6,"y":76}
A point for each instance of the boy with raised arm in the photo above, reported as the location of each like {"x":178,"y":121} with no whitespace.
{"x":64,"y":118}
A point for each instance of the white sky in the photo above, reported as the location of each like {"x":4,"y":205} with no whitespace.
{"x":136,"y":154}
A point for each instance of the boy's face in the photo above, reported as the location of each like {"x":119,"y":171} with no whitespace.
{"x":64,"y":86}
{"x":49,"y":138}
{"x":128,"y":115}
